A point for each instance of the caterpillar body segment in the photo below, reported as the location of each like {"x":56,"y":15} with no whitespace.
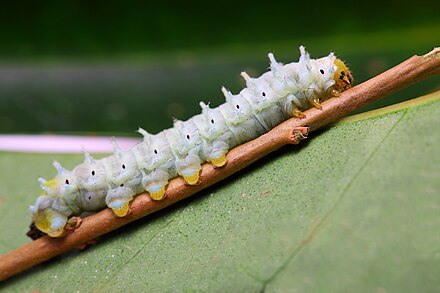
{"x":283,"y":92}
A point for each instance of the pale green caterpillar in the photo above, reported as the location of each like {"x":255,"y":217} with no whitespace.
{"x":283,"y":92}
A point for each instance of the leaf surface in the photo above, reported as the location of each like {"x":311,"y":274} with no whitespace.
{"x":355,"y":208}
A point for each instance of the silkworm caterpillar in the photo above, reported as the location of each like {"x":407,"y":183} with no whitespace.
{"x":283,"y":92}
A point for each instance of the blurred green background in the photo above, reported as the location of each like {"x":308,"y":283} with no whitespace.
{"x":109,"y":67}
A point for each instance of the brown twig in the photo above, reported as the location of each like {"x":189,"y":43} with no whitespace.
{"x":410,"y":71}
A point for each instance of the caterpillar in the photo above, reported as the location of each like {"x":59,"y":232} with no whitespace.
{"x":283,"y":92}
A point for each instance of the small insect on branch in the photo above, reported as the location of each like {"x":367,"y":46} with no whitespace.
{"x":291,"y":131}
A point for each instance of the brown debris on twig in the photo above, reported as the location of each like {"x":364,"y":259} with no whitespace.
{"x":410,"y":71}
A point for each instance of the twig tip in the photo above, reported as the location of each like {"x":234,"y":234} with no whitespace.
{"x":435,"y":53}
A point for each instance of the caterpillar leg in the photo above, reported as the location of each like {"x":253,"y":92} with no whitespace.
{"x":120,"y":208}
{"x":335,"y":93}
{"x":157,"y":191}
{"x":220,"y":161}
{"x":189,"y":168}
{"x":191,"y":178}
{"x":216,"y":151}
{"x":155,"y":183}
{"x":50,"y":222}
{"x":316,"y":103}
{"x":297,"y":113}
{"x":118,"y":200}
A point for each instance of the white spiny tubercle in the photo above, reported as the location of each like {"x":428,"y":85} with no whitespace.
{"x":305,"y":55}
{"x":113,"y":181}
{"x":58,"y":166}
{"x":88,"y":158}
{"x":228,"y":95}
{"x":205,"y":108}
{"x":249,"y":80}
{"x":275,"y":67}
{"x":143,"y":132}
{"x":116,"y":147}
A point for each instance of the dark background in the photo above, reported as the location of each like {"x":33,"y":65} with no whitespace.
{"x":109,"y":67}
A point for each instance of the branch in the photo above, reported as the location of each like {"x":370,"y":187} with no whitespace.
{"x":410,"y":71}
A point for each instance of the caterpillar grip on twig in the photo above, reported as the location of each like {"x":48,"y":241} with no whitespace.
{"x":283,"y":92}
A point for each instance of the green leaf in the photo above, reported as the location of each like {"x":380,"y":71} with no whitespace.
{"x":355,"y":208}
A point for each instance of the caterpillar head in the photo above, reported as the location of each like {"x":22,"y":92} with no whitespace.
{"x":63,"y":184}
{"x":342,"y":76}
{"x":46,"y":218}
